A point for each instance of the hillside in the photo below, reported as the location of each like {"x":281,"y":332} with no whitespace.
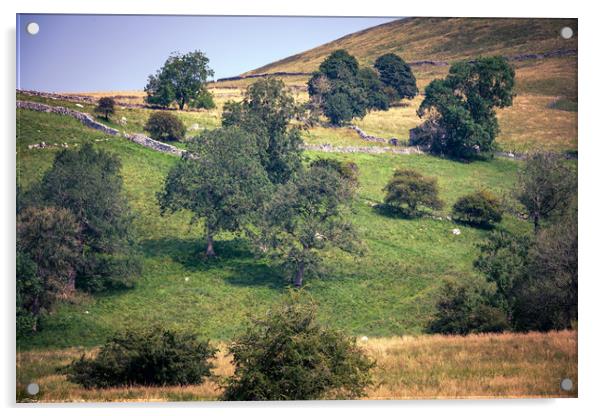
{"x":437,"y":39}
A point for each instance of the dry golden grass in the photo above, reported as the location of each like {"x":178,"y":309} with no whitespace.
{"x":422,"y":367}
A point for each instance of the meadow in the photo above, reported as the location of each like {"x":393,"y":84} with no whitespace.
{"x":409,"y":367}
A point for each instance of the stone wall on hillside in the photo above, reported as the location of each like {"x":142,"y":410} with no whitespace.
{"x":89,"y":121}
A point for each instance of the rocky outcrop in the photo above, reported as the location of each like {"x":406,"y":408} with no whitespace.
{"x":88,"y":121}
{"x":393,"y":141}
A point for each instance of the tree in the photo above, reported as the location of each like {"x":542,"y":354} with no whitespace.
{"x":287,"y":355}
{"x":153,"y":356}
{"x":48,"y":249}
{"x":462,"y":106}
{"x":88,"y":183}
{"x":307,"y":215}
{"x":220,"y":180}
{"x":547,"y":185}
{"x":266,"y":112}
{"x":547,"y":298}
{"x":394,"y":73}
{"x":343,"y":91}
{"x":165,"y":126}
{"x":105,"y":106}
{"x":409,"y":189}
{"x":481,"y":208}
{"x":466,"y":309}
{"x":182,"y":79}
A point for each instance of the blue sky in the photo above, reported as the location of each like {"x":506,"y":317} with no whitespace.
{"x":108,"y":52}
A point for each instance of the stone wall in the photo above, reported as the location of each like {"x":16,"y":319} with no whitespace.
{"x":88,"y":121}
{"x":368,"y":149}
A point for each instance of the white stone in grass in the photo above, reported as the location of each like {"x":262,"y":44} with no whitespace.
{"x":87,"y":312}
{"x":456,"y":231}
{"x":186,"y":279}
{"x":79,"y":105}
{"x":364,"y":339}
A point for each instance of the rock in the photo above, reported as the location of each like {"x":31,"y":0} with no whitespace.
{"x":364,"y":339}
{"x":186,"y":279}
{"x":79,"y":105}
{"x":456,"y":231}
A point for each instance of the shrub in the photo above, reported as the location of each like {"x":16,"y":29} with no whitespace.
{"x":165,"y":126}
{"x":105,"y":107}
{"x":408,"y":189}
{"x":287,"y":355}
{"x":203,"y":100}
{"x":153,"y":357}
{"x":465,"y":309}
{"x":347,"y":170}
{"x":481,"y":209}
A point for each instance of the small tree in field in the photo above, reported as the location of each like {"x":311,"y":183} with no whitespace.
{"x":182,"y":79}
{"x":287,"y":355}
{"x":105,"y":107}
{"x":220,"y":181}
{"x":307,"y":215}
{"x":408,"y":190}
{"x":481,"y":208}
{"x":547,"y":185}
{"x":165,"y":126}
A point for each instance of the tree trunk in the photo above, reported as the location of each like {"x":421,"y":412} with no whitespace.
{"x":181,"y":104}
{"x":210,"y":252}
{"x":536,"y":223}
{"x":299,"y":275}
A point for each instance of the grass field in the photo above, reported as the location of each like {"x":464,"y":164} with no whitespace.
{"x":422,"y":367}
{"x":387,"y":291}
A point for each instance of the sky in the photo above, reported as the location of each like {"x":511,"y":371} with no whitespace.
{"x":80,"y":53}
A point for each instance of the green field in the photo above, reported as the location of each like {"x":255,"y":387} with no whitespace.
{"x":389,"y":290}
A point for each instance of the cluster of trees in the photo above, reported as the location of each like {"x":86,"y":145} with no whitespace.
{"x":459,"y":111}
{"x":181,"y":81}
{"x":531,"y":280}
{"x":73,"y":233}
{"x":409,"y":193}
{"x":247,"y":176}
{"x":341,"y":90}
{"x":284,"y":355}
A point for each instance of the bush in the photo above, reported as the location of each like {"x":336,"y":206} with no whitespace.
{"x":481,"y":209}
{"x":466,"y":309}
{"x":105,"y":107}
{"x":203,"y":100}
{"x":347,"y":170}
{"x":288,"y":356}
{"x":165,"y":126}
{"x":151,"y":357}
{"x":408,"y":189}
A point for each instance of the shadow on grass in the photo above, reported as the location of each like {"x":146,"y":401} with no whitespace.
{"x":235,"y":256}
{"x":396,"y":213}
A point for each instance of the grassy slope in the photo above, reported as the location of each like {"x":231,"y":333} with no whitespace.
{"x":476,"y":366}
{"x":389,"y":291}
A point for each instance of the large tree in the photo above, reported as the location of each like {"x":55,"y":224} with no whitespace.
{"x":547,"y":186}
{"x":342,"y":91}
{"x":220,"y":180}
{"x":182,"y":79}
{"x":88,"y":183}
{"x":266,"y":111}
{"x":397,"y":75}
{"x":460,"y":109}
{"x":307,"y":215}
{"x":408,"y":190}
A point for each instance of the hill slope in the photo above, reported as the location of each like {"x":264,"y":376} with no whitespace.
{"x":444,"y":39}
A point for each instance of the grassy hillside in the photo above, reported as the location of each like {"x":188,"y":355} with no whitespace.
{"x":388,"y":291}
{"x":476,"y":366}
{"x":441,"y":39}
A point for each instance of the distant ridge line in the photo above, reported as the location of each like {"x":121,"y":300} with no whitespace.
{"x":514,"y":58}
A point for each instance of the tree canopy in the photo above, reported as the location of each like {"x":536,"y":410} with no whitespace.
{"x":182,"y":79}
{"x":397,"y":75}
{"x":408,"y":189}
{"x":220,"y":180}
{"x":266,"y":112}
{"x":460,"y":109}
